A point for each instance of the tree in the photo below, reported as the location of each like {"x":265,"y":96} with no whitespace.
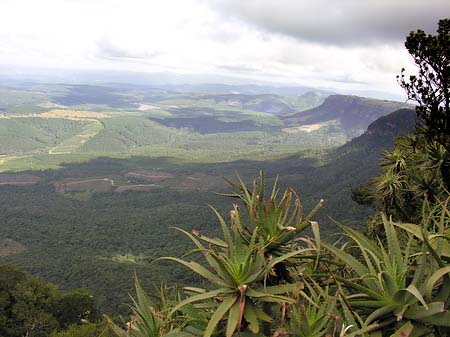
{"x":72,"y":307}
{"x":30,"y":307}
{"x":431,"y":87}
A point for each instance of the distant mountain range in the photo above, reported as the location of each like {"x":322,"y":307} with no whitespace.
{"x":173,"y":81}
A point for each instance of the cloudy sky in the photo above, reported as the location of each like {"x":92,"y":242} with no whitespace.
{"x":338,"y":44}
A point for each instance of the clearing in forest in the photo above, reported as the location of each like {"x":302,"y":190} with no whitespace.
{"x":10,"y":247}
{"x":95,"y":185}
{"x":18,"y":179}
{"x":150,"y":176}
{"x":74,"y":143}
{"x":61,"y":113}
{"x":72,"y":114}
{"x":303,"y":128}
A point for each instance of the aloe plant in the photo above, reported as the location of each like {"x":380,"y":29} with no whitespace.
{"x":315,"y":314}
{"x":277,"y":219}
{"x":434,"y":235}
{"x":391,"y":286}
{"x":249,"y":267}
{"x":236,"y":271}
{"x":146,"y":321}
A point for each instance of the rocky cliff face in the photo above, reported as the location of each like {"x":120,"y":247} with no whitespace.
{"x":381,"y":134}
{"x":396,"y":124}
{"x":354,"y":113}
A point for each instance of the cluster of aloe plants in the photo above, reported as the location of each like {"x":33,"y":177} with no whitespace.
{"x":270,"y":274}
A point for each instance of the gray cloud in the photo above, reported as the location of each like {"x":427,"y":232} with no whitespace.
{"x":339,"y":22}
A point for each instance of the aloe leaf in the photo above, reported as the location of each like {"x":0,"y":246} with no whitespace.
{"x":195,"y":239}
{"x":410,"y":228}
{"x":366,"y":303}
{"x":262,"y":315}
{"x":389,"y":282}
{"x":364,"y":241}
{"x":287,"y":256}
{"x":262,"y":185}
{"x":202,"y":249}
{"x":218,"y":314}
{"x":195,"y":290}
{"x":366,"y":291}
{"x":226,"y":232}
{"x":244,"y":189}
{"x":438,"y":274}
{"x":251,"y":318}
{"x":404,"y":331}
{"x":118,"y":331}
{"x":178,"y":333}
{"x":147,"y":323}
{"x":316,"y":234}
{"x":224,"y":269}
{"x":348,"y":316}
{"x":313,"y":212}
{"x":433,"y":251}
{"x":263,"y":296}
{"x":208,"y":295}
{"x":417,"y":312}
{"x":419,"y":274}
{"x":282,"y":288}
{"x":393,"y":244}
{"x":416,"y":293}
{"x":439,"y":319}
{"x":348,"y":259}
{"x":199,"y":269}
{"x":233,"y":318}
{"x":214,"y":241}
{"x":380,"y":312}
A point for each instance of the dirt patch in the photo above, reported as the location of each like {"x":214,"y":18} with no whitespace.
{"x":149,"y":176}
{"x":303,"y":128}
{"x":147,"y":107}
{"x":58,"y":113}
{"x":18,"y":179}
{"x":10,"y":247}
{"x":94,"y":185}
{"x":136,"y":188}
{"x":51,"y":105}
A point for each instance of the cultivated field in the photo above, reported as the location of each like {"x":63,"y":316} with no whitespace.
{"x":18,"y":179}
{"x":10,"y":247}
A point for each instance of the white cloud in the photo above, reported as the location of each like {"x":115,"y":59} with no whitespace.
{"x":232,"y":38}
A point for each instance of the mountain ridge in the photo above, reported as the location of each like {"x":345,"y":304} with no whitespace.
{"x":353,"y":112}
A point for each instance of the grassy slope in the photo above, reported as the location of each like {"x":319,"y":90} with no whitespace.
{"x":27,"y":135}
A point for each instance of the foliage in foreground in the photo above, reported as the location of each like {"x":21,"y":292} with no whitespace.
{"x":268,"y":276}
{"x":31,"y":307}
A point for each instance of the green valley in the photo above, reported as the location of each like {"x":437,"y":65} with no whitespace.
{"x":224,"y":168}
{"x":98,"y":202}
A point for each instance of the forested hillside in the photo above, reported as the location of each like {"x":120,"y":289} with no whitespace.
{"x":93,"y":233}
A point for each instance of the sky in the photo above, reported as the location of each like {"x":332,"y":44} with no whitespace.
{"x":335,"y":44}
